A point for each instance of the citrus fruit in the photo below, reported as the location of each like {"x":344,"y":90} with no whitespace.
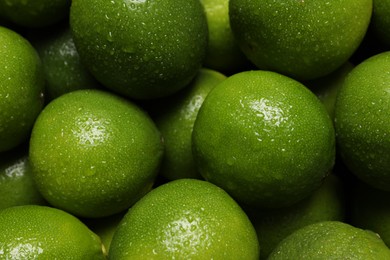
{"x":381,"y":20}
{"x":141,"y":49}
{"x":94,"y":153}
{"x":264,"y":138}
{"x":17,"y":186}
{"x":361,"y":121}
{"x":34,"y":13}
{"x":21,"y":88}
{"x":62,"y":67}
{"x":301,"y":39}
{"x":185,"y":219}
{"x":326,"y":88}
{"x":370,"y":210}
{"x":223,"y":53}
{"x":175,"y":120}
{"x":273,"y":225}
{"x":40,"y":232}
{"x":331,"y":240}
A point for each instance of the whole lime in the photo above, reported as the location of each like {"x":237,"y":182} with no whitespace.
{"x":185,"y":219}
{"x":40,"y":232}
{"x":21,"y":88}
{"x":362,"y":121}
{"x":140,"y":48}
{"x":264,"y":138}
{"x":303,"y":39}
{"x":94,"y":153}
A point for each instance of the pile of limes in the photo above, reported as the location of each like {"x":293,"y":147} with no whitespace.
{"x":194,"y":129}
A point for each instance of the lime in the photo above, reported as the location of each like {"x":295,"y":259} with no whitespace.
{"x":62,"y":67}
{"x":138,"y":48}
{"x":175,"y":120}
{"x":40,"y":232}
{"x":302,"y":39}
{"x":264,"y":138}
{"x":273,"y":225}
{"x":34,"y":13}
{"x":331,"y":240}
{"x":21,"y":88}
{"x":17,"y":186}
{"x":362,"y":123}
{"x":223,"y":53}
{"x":371,"y":210}
{"x":93,"y":153}
{"x":185,"y":219}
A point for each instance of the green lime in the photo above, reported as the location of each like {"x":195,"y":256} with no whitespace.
{"x":326,"y":88}
{"x":273,"y":225}
{"x":264,"y":138}
{"x":94,"y":153}
{"x":371,"y":210}
{"x":302,"y":39}
{"x":362,"y":121}
{"x":223,"y":52}
{"x":185,"y":219}
{"x":40,"y":232}
{"x":62,"y":67}
{"x":175,"y":120}
{"x":140,"y":49}
{"x":381,"y":20}
{"x":17,"y":186}
{"x":331,"y":240}
{"x":34,"y":13}
{"x":21,"y":88}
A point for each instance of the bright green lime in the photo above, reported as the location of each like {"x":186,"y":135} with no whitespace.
{"x":141,"y":49}
{"x":175,"y":120}
{"x":94,"y":153}
{"x":264,"y":138}
{"x":185,"y":219}
{"x":362,"y":121}
{"x":303,"y":39}
{"x":21,"y":88}
{"x":331,"y":240}
{"x":39,"y":232}
{"x":34,"y":13}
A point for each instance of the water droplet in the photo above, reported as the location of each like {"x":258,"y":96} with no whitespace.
{"x":109,"y":37}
